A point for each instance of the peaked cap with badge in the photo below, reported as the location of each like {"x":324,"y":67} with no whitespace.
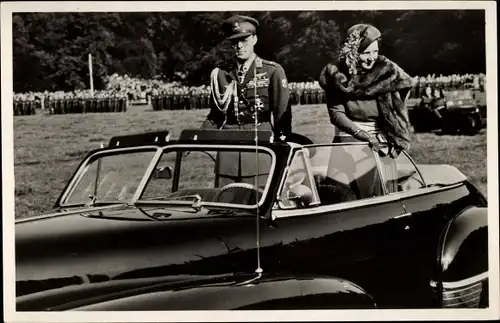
{"x":239,"y":26}
{"x":257,"y":84}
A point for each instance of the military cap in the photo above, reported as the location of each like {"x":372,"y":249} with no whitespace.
{"x":239,"y":26}
{"x":368,"y":34}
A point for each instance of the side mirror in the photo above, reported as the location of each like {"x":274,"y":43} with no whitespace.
{"x":163,"y":172}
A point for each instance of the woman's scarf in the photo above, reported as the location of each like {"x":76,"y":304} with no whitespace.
{"x":387,"y":83}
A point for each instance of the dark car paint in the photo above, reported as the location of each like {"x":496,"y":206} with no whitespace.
{"x":224,"y":292}
{"x":385,"y":247}
{"x":464,"y":246}
{"x":111,"y":249}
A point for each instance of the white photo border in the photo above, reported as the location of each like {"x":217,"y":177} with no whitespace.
{"x":7,"y":8}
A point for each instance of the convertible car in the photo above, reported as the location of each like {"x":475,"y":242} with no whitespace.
{"x":240,"y":220}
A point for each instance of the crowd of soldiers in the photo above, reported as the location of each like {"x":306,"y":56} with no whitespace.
{"x":78,"y":101}
{"x":303,"y":93}
{"x":122,"y":90}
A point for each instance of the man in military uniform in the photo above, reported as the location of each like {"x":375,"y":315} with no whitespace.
{"x":254,"y":89}
{"x":254,"y":83}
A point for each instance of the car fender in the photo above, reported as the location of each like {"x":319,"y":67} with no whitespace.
{"x":463,"y":260}
{"x":463,"y":251}
{"x":278,"y":293}
{"x":462,"y":279}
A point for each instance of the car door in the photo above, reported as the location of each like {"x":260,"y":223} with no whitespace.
{"x":348,"y":226}
{"x":427,"y":209}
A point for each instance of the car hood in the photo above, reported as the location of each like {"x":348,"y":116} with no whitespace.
{"x":220,"y":292}
{"x":86,"y":294}
{"x":69,"y":249}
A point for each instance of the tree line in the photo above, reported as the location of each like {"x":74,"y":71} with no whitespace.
{"x":50,"y":50}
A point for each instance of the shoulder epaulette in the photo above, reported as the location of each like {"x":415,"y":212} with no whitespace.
{"x":267,"y":62}
{"x":258,"y":62}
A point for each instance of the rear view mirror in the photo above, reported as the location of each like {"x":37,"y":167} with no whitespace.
{"x":163,"y":172}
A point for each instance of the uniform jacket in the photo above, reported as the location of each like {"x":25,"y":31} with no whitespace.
{"x":265,"y":86}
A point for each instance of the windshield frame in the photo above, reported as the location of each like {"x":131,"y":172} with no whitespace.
{"x":83,"y":167}
{"x":205,"y":147}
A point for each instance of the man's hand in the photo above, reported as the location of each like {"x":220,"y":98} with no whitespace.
{"x":365,"y":136}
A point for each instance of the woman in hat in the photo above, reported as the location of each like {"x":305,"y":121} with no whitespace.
{"x":366,"y":93}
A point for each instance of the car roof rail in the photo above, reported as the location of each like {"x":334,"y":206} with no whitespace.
{"x":146,"y":138}
{"x":225,"y":136}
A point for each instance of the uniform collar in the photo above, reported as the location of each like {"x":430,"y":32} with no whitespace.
{"x":248,"y":63}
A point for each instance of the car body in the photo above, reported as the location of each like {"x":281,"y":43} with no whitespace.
{"x":458,"y":111}
{"x":150,"y":223}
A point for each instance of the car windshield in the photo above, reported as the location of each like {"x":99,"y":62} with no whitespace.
{"x":109,"y":177}
{"x":210,"y":175}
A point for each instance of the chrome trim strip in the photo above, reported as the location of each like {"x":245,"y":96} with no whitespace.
{"x":464,"y":282}
{"x":402,"y":215}
{"x":467,"y":281}
{"x":424,"y":190}
{"x":146,"y":176}
{"x":69,"y":212}
{"x":335,"y":207}
{"x":449,"y":295}
{"x":358,"y":203}
{"x":312,"y":182}
{"x":415,"y":165}
{"x":354,"y":143}
{"x":449,"y":291}
{"x":461,"y":304}
{"x":381,"y":173}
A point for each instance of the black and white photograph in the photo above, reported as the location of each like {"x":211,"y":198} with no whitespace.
{"x":249,"y":161}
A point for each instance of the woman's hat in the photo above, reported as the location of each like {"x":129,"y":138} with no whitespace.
{"x":368,"y":34}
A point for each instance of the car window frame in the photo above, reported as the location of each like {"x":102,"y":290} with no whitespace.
{"x":310,"y":173}
{"x":248,"y":148}
{"x":384,"y":179}
{"x":85,"y":164}
{"x":293,"y":152}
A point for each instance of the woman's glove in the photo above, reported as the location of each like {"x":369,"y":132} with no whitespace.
{"x":365,"y":136}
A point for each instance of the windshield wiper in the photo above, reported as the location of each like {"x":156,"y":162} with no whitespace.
{"x":93,"y":199}
{"x":197,"y":204}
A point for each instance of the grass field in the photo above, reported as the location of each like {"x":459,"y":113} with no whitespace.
{"x":48,"y":148}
